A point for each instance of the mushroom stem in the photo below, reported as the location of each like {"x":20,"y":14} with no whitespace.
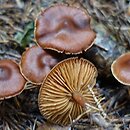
{"x":79,"y":99}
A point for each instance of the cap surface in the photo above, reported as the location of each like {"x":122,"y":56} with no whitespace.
{"x":11,"y":81}
{"x":121,"y":69}
{"x":36,"y":64}
{"x":64,"y":29}
{"x":64,"y":92}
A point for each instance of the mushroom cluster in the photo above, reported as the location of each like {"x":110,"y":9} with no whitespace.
{"x":67,"y":88}
{"x":66,"y":32}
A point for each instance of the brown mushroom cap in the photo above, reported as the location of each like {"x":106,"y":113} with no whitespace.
{"x":121,"y":69}
{"x":11,"y":81}
{"x":64,"y":29}
{"x":64,"y":92}
{"x":36,"y":63}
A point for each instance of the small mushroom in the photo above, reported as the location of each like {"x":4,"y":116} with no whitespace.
{"x":121,"y":68}
{"x":64,"y":29}
{"x":36,"y":63}
{"x":11,"y":81}
{"x":65,"y":91}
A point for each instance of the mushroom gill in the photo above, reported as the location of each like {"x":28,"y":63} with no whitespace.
{"x":65,"y":92}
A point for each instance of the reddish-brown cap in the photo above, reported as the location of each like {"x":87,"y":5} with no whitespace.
{"x":64,"y":29}
{"x":121,"y":69}
{"x":65,"y":92}
{"x":36,"y":64}
{"x":11,"y":80}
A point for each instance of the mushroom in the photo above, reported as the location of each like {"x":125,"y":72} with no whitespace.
{"x":11,"y":81}
{"x":68,"y":90}
{"x":36,"y":64}
{"x":121,"y":68}
{"x":64,"y":29}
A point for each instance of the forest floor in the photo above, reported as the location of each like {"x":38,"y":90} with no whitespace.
{"x":111,"y":22}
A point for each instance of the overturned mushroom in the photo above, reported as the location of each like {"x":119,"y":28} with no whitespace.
{"x":11,"y":81}
{"x":68,"y":90}
{"x":64,"y":29}
{"x":121,"y":69}
{"x":36,"y":64}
